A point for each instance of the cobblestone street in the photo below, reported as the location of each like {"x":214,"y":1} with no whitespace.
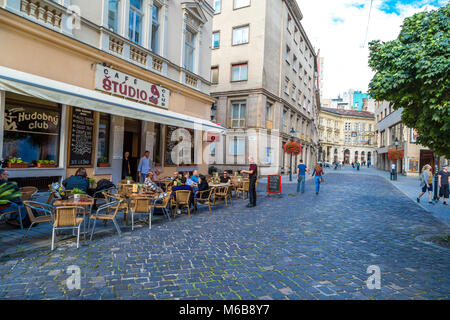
{"x":294,"y":247}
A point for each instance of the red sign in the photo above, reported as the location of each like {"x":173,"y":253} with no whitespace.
{"x":274,"y":184}
{"x":212,"y":137}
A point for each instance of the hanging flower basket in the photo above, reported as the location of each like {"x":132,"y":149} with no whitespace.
{"x":395,"y":155}
{"x":292,"y":147}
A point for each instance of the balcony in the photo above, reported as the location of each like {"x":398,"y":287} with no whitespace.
{"x":43,"y":12}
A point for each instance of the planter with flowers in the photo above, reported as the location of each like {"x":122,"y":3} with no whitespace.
{"x":77,"y":193}
{"x":292,"y":147}
{"x":395,"y":155}
{"x":46,"y":164}
{"x":17,"y":163}
{"x":103,"y":162}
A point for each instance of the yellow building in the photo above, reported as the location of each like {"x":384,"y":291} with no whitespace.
{"x":81,"y":84}
{"x":346,"y":135}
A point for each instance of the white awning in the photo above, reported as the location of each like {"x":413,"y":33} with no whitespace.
{"x":59,"y":92}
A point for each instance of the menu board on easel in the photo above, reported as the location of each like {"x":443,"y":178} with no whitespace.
{"x":81,"y":138}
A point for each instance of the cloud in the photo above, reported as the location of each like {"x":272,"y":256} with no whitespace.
{"x":338,"y":28}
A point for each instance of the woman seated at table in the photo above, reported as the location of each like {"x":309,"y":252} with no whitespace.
{"x":225,"y":178}
{"x":203,"y":186}
{"x":184,"y":186}
{"x":79,"y":181}
{"x":150,"y":184}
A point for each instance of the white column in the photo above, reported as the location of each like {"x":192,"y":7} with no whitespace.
{"x":2,"y":117}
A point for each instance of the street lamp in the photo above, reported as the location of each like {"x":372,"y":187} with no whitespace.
{"x":394,"y":170}
{"x":292,"y":132}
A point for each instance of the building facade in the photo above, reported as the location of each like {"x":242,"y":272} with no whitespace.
{"x":265,"y":82}
{"x":82,"y":82}
{"x":389,"y":130}
{"x":346,"y":136}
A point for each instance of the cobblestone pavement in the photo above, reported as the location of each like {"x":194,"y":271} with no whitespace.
{"x":294,"y":247}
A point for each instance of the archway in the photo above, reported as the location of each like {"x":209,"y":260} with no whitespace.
{"x":356,"y":156}
{"x":335,"y":155}
{"x":363,"y":156}
{"x":347,"y":156}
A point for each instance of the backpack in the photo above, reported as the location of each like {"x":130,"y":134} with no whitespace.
{"x":60,"y":191}
{"x":104,"y":184}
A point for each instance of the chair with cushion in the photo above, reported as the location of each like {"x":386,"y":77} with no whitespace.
{"x":103,"y":213}
{"x":38,"y":213}
{"x":66,"y":218}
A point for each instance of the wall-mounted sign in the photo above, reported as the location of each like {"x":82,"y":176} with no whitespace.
{"x":122,"y":84}
{"x":413,"y":165}
{"x":81,"y":138}
{"x":414,"y":135}
{"x":31,"y":120}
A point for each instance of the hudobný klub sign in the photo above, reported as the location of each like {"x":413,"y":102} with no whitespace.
{"x":31,"y":120}
{"x":122,"y":84}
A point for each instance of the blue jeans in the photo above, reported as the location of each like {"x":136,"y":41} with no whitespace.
{"x":317,"y":181}
{"x":15,"y":207}
{"x":301,"y":182}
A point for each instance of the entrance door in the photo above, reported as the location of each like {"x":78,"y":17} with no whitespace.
{"x":132,"y":144}
{"x":426,"y":157}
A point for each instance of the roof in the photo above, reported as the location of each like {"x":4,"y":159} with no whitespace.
{"x":351,"y":113}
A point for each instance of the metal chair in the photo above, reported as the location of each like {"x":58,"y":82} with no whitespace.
{"x":66,"y":218}
{"x":45,"y":214}
{"x":106,"y":216}
{"x":11,"y":211}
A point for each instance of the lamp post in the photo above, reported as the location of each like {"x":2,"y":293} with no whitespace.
{"x":436,"y":179}
{"x":292,"y":132}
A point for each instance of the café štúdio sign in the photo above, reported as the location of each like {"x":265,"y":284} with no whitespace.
{"x":122,"y":84}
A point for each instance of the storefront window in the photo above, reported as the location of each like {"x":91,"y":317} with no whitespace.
{"x":31,"y":132}
{"x":103,"y":138}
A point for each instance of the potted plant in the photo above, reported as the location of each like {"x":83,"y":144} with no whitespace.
{"x":129,"y":179}
{"x":8,"y":193}
{"x":157,"y":161}
{"x":17,"y":163}
{"x":46,"y":164}
{"x":103,"y":162}
{"x":91,"y":182}
{"x":76,"y":193}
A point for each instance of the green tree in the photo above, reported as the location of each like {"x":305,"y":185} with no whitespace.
{"x":412,"y":72}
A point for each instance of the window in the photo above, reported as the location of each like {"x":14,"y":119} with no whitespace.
{"x":189,"y":50}
{"x":239,"y":72}
{"x":135,"y":21}
{"x":216,"y":40}
{"x":113,"y":15}
{"x":288,"y":52}
{"x":294,"y":92}
{"x":212,"y":148}
{"x":103,"y":136}
{"x":217,"y":6}
{"x":268,"y":111}
{"x":241,"y":3}
{"x":294,"y":64}
{"x":286,"y":86}
{"x":28,"y":139}
{"x":283,"y":120}
{"x":237,"y":146}
{"x":240,"y":35}
{"x":295,"y":34}
{"x":155,"y":28}
{"x":238,"y":113}
{"x":289,"y":22}
{"x":215,"y":74}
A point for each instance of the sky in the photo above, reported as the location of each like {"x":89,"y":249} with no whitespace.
{"x":338,"y":28}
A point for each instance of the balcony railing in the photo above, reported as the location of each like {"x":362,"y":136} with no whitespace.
{"x":40,"y":10}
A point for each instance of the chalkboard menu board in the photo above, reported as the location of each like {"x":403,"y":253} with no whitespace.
{"x":81,"y":138}
{"x":274,"y":184}
{"x":181,"y":141}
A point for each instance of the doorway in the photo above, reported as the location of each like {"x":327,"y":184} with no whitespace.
{"x":427,"y":157}
{"x":132,"y":143}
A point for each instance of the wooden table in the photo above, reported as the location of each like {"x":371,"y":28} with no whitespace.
{"x":86,"y":202}
{"x":219,"y":185}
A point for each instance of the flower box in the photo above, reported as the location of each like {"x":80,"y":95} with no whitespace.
{"x":46,"y":165}
{"x":18,"y":165}
{"x":103,"y":165}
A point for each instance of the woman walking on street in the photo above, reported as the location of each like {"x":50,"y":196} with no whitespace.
{"x":426,"y":182}
{"x":317,"y":173}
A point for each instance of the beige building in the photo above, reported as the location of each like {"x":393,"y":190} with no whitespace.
{"x":82,"y":82}
{"x":346,"y":135}
{"x":389,"y":129}
{"x":264,"y":75}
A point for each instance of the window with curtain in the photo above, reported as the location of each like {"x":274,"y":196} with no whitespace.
{"x":113,"y":15}
{"x":135,"y":21}
{"x":238,"y":114}
{"x":239,"y":72}
{"x":237,"y":146}
{"x":189,"y":50}
{"x":215,"y":74}
{"x":103,"y":136}
{"x":216,"y":40}
{"x":155,"y":28}
{"x":240,"y":35}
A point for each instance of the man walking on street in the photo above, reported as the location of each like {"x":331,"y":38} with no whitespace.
{"x":443,"y":183}
{"x":301,"y":173}
{"x":144,"y":166}
{"x":253,"y":174}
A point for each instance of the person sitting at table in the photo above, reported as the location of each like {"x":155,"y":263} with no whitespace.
{"x":176,"y":179}
{"x":14,"y":205}
{"x":195,"y":177}
{"x":225,"y":178}
{"x":203,"y":186}
{"x":184,"y":186}
{"x":79,"y":181}
{"x":150,"y":184}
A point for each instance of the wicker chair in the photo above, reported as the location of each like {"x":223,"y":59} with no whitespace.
{"x":11,"y":211}
{"x":201,"y":199}
{"x":244,"y":189}
{"x":29,"y":188}
{"x":163,"y":205}
{"x":66,"y":218}
{"x":140,"y":205}
{"x":223,"y":193}
{"x":123,"y":206}
{"x":45,"y":211}
{"x":182,"y":198}
{"x":27,"y":195}
{"x":103,"y":214}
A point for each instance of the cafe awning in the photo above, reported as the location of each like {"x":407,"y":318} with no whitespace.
{"x":59,"y":92}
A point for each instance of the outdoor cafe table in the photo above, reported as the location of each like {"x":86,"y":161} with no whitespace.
{"x":87,"y":202}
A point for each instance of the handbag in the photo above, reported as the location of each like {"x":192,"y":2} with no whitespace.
{"x":321,"y":180}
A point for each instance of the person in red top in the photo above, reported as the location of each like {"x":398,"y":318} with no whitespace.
{"x":317,"y":173}
{"x":253,"y":174}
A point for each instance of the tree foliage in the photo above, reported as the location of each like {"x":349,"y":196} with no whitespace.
{"x":412,"y":72}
